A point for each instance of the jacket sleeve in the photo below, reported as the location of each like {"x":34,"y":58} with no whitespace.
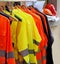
{"x":36,"y":36}
{"x":9,"y":47}
{"x":22,"y":43}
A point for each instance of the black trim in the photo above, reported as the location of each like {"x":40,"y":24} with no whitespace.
{"x":35,"y":42}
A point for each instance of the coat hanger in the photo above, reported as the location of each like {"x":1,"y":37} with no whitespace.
{"x":8,"y":16}
{"x":2,"y":8}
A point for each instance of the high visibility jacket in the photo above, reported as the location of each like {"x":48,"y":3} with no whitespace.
{"x":21,"y":36}
{"x":46,"y":40}
{"x":6,"y":50}
{"x":32,"y":33}
{"x":44,"y":21}
{"x":38,"y":22}
{"x":35,"y":46}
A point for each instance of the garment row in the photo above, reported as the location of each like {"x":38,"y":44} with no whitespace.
{"x":28,"y":39}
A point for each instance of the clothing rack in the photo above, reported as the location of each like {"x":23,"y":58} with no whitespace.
{"x":31,"y":37}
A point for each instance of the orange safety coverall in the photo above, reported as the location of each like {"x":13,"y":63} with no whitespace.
{"x":6,"y":50}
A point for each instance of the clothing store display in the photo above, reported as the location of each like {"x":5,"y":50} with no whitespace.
{"x":25,"y":36}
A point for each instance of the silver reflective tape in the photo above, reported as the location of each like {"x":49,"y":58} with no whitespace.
{"x":44,"y":57}
{"x":6,"y":55}
{"x":24,"y":52}
{"x":45,"y":47}
{"x":37,"y":43}
{"x":10,"y":55}
{"x":2,"y":53}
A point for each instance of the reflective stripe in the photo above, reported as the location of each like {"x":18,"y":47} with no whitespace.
{"x":10,"y":55}
{"x":37,"y":43}
{"x":24,"y":53}
{"x":39,"y":61}
{"x":45,"y":47}
{"x":32,"y":52}
{"x":2,"y":53}
{"x":44,"y":57}
{"x":6,"y":55}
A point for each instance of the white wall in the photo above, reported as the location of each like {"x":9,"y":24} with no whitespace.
{"x":58,"y":7}
{"x":56,"y":33}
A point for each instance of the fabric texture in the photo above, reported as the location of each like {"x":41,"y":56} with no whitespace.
{"x":6,"y":50}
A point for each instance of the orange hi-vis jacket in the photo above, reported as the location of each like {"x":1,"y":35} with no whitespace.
{"x":6,"y":50}
{"x":46,"y":40}
{"x":35,"y":11}
{"x":41,"y":32}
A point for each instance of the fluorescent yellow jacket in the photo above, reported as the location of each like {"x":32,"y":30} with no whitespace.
{"x":33,"y":40}
{"x":22,"y":42}
{"x":33,"y":37}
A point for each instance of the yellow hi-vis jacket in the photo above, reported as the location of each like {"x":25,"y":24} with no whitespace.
{"x":27,"y":36}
